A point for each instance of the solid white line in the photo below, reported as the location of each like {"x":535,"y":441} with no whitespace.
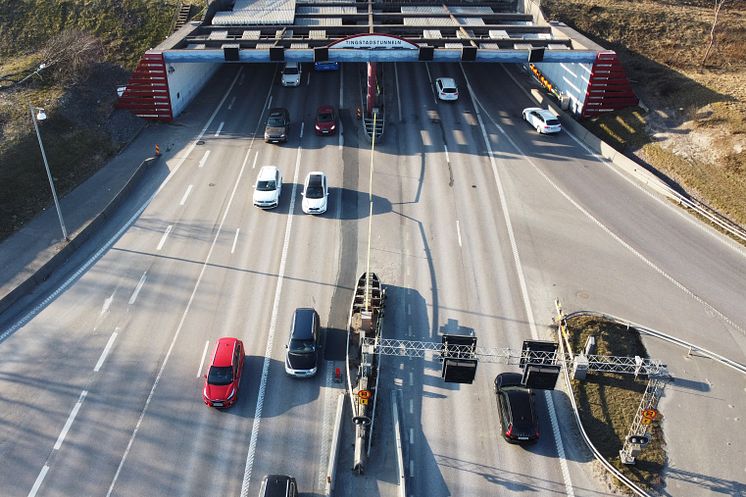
{"x":105,"y":353}
{"x":432,"y":86}
{"x":101,"y":251}
{"x":398,"y":93}
{"x":340,"y":131}
{"x":165,"y":235}
{"x":186,"y":194}
{"x":302,"y":125}
{"x":517,"y":261}
{"x":235,"y":239}
{"x":269,"y":103}
{"x":202,"y":360}
{"x":253,"y":166}
{"x":251,"y":453}
{"x":448,"y":159}
{"x":70,"y":420}
{"x":38,"y":481}
{"x":138,"y":288}
{"x":203,"y":160}
{"x":233,"y":101}
{"x":220,"y":128}
{"x":458,"y":232}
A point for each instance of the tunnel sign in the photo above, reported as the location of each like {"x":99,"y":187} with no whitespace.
{"x":374,"y":41}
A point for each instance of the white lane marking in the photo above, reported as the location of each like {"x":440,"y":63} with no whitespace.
{"x":39,"y":480}
{"x":340,"y":131}
{"x":302,"y":125}
{"x":411,"y":378}
{"x":517,"y":261}
{"x":136,"y":292}
{"x":220,"y":128}
{"x":178,"y":328}
{"x":411,"y":406}
{"x":411,"y":435}
{"x":409,"y":330}
{"x":233,"y":101}
{"x":448,"y":159}
{"x":409,"y":309}
{"x":70,"y":420}
{"x":411,"y":468}
{"x":107,"y":304}
{"x":105,"y":248}
{"x":251,"y":453}
{"x":203,"y":160}
{"x":256,"y":157}
{"x":458,"y":232}
{"x":202,"y":360}
{"x":186,"y":195}
{"x":105,"y":352}
{"x":398,"y":94}
{"x":432,"y":85}
{"x":269,"y":103}
{"x":165,"y":235}
{"x":235,"y":239}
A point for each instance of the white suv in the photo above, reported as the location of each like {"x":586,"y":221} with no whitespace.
{"x":291,"y":74}
{"x":542,"y":120}
{"x":268,"y":187}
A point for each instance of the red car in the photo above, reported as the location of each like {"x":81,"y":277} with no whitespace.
{"x":221,"y":381}
{"x":326,"y":120}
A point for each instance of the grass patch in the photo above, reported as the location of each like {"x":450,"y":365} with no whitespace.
{"x":607,"y":403}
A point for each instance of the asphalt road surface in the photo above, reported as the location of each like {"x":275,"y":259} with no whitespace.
{"x":478,"y":225}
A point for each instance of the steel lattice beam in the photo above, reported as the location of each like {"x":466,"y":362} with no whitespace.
{"x":596,"y":363}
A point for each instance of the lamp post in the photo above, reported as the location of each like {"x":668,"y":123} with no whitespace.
{"x":42,"y":116}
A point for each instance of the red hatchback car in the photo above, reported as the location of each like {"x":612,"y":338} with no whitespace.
{"x":224,"y":376}
{"x":326,"y":120}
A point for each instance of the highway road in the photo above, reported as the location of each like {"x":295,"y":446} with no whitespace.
{"x":478,"y":225}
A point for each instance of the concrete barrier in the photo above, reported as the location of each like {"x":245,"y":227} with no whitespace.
{"x":331,"y":470}
{"x":79,"y":238}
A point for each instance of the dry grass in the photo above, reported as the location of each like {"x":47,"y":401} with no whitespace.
{"x":695,"y":132}
{"x":607,"y":403}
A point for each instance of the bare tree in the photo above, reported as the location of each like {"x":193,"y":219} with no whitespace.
{"x":718,"y":6}
{"x":71,"y":53}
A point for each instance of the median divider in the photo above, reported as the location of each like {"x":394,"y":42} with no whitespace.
{"x":331,"y":471}
{"x":76,"y":241}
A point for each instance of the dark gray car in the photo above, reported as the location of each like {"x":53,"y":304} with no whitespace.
{"x":302,"y":358}
{"x":278,"y":125}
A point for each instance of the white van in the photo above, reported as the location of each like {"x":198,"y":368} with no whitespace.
{"x":291,"y":74}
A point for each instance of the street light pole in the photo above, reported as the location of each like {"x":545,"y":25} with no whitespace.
{"x":49,"y":174}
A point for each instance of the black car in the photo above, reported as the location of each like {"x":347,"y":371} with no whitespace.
{"x":516,"y":409}
{"x":279,"y":486}
{"x":278,"y":125}
{"x":302,"y":355}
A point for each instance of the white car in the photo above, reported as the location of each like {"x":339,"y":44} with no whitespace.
{"x":291,"y":74}
{"x":542,"y":120}
{"x":268,"y":187}
{"x":315,"y":193}
{"x":447,"y":89}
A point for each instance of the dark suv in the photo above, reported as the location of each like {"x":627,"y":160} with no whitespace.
{"x":279,"y":486}
{"x":302,"y":357}
{"x":278,"y":125}
{"x":516,"y":409}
